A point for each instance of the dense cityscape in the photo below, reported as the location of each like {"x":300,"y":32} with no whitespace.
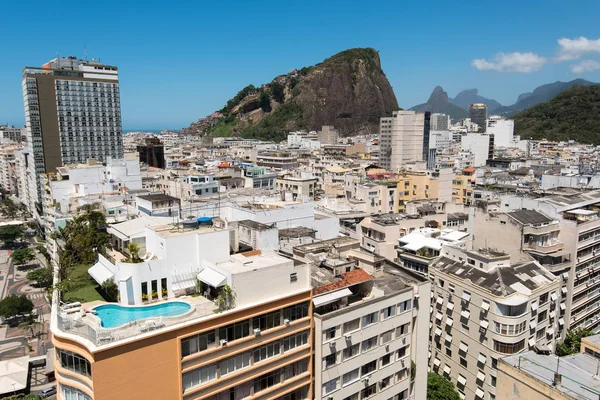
{"x":300,"y":243}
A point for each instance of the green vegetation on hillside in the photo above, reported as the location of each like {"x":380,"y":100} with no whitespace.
{"x":572,"y":114}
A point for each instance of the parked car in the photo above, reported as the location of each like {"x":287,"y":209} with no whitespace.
{"x":49,"y":391}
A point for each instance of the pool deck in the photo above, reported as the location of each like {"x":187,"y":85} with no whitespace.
{"x":82,"y":323}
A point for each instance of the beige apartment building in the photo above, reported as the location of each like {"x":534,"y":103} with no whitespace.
{"x":484,"y":308}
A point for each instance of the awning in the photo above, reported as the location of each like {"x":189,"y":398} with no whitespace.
{"x":484,"y":324}
{"x":534,"y":306}
{"x":100,"y":273}
{"x":436,"y":362}
{"x":485,"y":305}
{"x":531,"y":342}
{"x":450,"y":306}
{"x":565,"y":275}
{"x":553,"y":297}
{"x":465,"y":314}
{"x":438,"y":331}
{"x":447,"y":369}
{"x":449,"y":321}
{"x":550,"y":332}
{"x":440,"y":300}
{"x":561,"y":321}
{"x":482,"y":358}
{"x":466,"y":296}
{"x":479,"y":393}
{"x":183,"y":280}
{"x":532,"y":324}
{"x":461,"y":379}
{"x":464,"y":347}
{"x":564,"y":290}
{"x":480,"y":376}
{"x":432,"y":295}
{"x":212,"y":277}
{"x":563,"y":306}
{"x":439,"y":316}
{"x":448,"y":338}
{"x":331,"y":297}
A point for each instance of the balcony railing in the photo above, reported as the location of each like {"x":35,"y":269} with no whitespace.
{"x":547,"y":247}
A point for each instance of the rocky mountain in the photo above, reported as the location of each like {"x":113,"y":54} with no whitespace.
{"x":348,"y":90}
{"x":573,"y":114}
{"x":470,"y":96}
{"x":539,"y":95}
{"x":439,"y":103}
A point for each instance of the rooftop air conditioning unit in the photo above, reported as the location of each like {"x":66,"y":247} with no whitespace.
{"x":257,"y":332}
{"x":223,"y":342}
{"x":347,"y":336}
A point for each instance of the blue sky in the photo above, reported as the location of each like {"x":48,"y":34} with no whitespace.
{"x":182,"y":60}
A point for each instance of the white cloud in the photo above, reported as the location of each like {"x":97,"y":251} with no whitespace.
{"x":511,"y":62}
{"x":572,"y":49}
{"x":585,"y":66}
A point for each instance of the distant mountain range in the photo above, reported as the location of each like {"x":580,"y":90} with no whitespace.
{"x":458,"y":107}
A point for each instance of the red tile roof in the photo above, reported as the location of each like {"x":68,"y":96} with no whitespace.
{"x":347,"y":279}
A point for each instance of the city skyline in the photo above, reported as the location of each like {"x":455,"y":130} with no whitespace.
{"x":153,"y":46}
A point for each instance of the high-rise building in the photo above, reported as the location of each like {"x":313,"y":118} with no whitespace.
{"x":403,"y":138}
{"x":478,"y":114}
{"x":481,"y":145}
{"x":152,"y":153}
{"x":10,"y":134}
{"x":72,"y":113}
{"x":502,"y":129}
{"x":328,"y":135}
{"x":440,"y":122}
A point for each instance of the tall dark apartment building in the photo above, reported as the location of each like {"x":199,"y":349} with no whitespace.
{"x":152,"y":153}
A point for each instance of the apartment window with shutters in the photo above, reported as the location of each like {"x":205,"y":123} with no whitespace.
{"x":388,"y":312}
{"x":351,"y":351}
{"x":369,"y":319}
{"x":387,"y":336}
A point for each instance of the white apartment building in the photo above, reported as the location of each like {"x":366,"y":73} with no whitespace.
{"x":72,"y":113}
{"x":10,"y":134}
{"x":368,"y":332}
{"x":401,"y":139}
{"x":579,"y":233}
{"x":481,"y":145}
{"x":440,"y":122}
{"x":7,"y":167}
{"x":421,"y":247}
{"x":502,"y":129}
{"x":304,"y":140}
{"x":484,"y":308}
{"x":440,"y":140}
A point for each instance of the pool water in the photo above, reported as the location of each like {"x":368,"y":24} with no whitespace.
{"x":112,"y":315}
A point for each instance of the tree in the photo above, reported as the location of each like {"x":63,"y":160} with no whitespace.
{"x":111,"y":289}
{"x":14,"y":305}
{"x":10,"y":233}
{"x":134,"y":253}
{"x":43,"y":276}
{"x":226,"y":298}
{"x":8,"y":208}
{"x":22,"y":256}
{"x":440,"y":388}
{"x":572,"y":343}
{"x":29,"y":324}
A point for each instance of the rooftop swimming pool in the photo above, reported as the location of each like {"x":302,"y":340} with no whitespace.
{"x":113,"y":315}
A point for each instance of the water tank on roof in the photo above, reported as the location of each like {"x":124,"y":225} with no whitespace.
{"x":190,"y":224}
{"x":205,"y":221}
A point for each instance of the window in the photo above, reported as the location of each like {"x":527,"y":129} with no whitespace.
{"x":369,"y":344}
{"x":351,"y":351}
{"x":387,"y":336}
{"x":330,"y":386}
{"x":197,"y":343}
{"x":448,"y":352}
{"x":543,"y":299}
{"x":385,"y":382}
{"x":542,"y":316}
{"x":350,"y":377}
{"x":267,"y":380}
{"x":233,"y":364}
{"x":74,"y":362}
{"x":267,"y":321}
{"x":405,"y":306}
{"x":368,"y":368}
{"x":330,"y":333}
{"x":351,"y":326}
{"x":509,"y":348}
{"x":293,"y":277}
{"x":401,"y":353}
{"x":296,"y":311}
{"x":234,"y":331}
{"x":368,"y":391}
{"x":463,"y":362}
{"x":267,"y":351}
{"x":493,"y":381}
{"x":494,"y":363}
{"x":440,"y":283}
{"x":388,"y":312}
{"x":293,"y":341}
{"x":402,"y":374}
{"x":199,"y":376}
{"x":539,"y":334}
{"x":402,"y":329}
{"x":386,"y":360}
{"x":71,"y":393}
{"x":352,"y":397}
{"x":369,"y":319}
{"x":329,"y":360}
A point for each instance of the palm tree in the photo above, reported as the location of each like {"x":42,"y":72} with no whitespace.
{"x":29,"y":324}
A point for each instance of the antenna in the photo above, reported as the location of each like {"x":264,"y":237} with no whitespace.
{"x":84,"y":53}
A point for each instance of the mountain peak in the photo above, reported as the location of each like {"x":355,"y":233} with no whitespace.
{"x":439,"y":103}
{"x":470,"y":96}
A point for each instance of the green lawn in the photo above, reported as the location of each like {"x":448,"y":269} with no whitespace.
{"x":83,"y":287}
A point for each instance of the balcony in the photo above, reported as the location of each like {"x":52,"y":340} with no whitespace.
{"x":545,"y":247}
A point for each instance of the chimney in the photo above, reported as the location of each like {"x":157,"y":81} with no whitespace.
{"x":557,"y":379}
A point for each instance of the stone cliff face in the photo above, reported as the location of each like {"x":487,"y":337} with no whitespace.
{"x":348,"y":90}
